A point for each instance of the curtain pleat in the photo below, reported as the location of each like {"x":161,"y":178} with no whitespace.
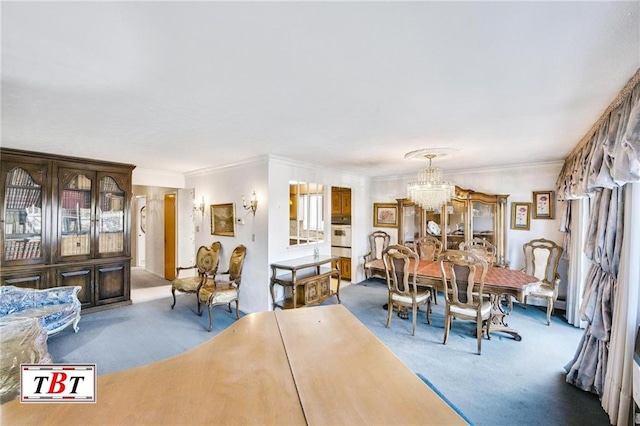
{"x":603,"y":163}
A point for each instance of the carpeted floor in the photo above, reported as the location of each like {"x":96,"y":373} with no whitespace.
{"x":510,"y":383}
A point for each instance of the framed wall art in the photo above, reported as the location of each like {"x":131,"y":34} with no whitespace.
{"x":223,"y":219}
{"x":520,"y":215}
{"x":543,"y":204}
{"x":385,"y":215}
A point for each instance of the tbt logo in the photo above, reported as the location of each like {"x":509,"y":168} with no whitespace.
{"x":57,"y":383}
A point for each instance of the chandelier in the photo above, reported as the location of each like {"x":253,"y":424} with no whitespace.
{"x":429,"y":192}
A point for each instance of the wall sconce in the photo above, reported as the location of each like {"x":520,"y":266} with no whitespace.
{"x":253,"y":203}
{"x":199,"y":207}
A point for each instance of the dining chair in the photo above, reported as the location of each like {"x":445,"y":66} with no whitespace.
{"x":207,"y":259}
{"x":482,"y":248}
{"x":378,"y":242}
{"x":463,"y":275}
{"x":223,"y":288}
{"x":429,"y":248}
{"x":401,"y":266}
{"x":541,"y":257}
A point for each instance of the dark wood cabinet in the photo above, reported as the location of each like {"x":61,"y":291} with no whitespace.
{"x":66,"y":221}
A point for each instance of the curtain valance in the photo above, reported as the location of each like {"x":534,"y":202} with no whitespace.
{"x":609,"y":155}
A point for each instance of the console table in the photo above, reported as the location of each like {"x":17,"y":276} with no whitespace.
{"x":307,"y":281}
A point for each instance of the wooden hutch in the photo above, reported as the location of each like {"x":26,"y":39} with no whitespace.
{"x":468,"y":215}
{"x":66,"y":222}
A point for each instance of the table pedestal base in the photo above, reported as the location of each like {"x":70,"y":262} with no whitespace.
{"x":498,"y":323}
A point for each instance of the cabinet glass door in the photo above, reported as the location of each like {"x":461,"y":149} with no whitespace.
{"x":411,"y":217}
{"x":456,"y":224}
{"x":75,"y":238}
{"x":22,"y":217}
{"x":110,"y":217}
{"x":483,"y":221}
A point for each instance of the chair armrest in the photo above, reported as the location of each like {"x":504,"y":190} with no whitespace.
{"x":367,"y":257}
{"x":184,"y":268}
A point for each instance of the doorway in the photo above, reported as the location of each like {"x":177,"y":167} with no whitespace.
{"x":141,"y":229}
{"x":169,"y":236}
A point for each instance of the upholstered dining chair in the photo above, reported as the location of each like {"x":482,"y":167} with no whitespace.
{"x":429,"y":248}
{"x":223,"y":288}
{"x":482,"y":248}
{"x":463,"y":291}
{"x":401,"y":265}
{"x":378,"y":242}
{"x":541,"y":257}
{"x":207,"y":259}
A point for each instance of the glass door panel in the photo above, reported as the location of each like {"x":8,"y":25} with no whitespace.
{"x":433,"y":223}
{"x":76,"y":217}
{"x":483,"y":220}
{"x":110,"y":217}
{"x":411,"y":218}
{"x":22,"y":217}
{"x":456,"y":224}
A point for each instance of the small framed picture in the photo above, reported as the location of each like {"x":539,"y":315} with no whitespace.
{"x":543,"y":204}
{"x":223,"y":220}
{"x":385,"y":215}
{"x":520,"y":215}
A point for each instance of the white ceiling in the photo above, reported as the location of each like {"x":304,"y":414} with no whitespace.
{"x":181,"y":86}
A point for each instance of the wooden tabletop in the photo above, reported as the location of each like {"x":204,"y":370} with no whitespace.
{"x":317,"y":366}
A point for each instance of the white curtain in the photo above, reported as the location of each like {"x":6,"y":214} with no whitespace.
{"x":578,"y":262}
{"x":617,"y":395}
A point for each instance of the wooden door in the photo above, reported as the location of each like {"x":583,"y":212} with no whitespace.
{"x":169,"y":236}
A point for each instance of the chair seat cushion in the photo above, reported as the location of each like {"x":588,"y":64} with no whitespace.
{"x":539,"y":290}
{"x":420,"y":298}
{"x":222,"y":294}
{"x":186,"y":285}
{"x":470,"y":312}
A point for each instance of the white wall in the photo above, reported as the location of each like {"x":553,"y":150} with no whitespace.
{"x":228,"y":185}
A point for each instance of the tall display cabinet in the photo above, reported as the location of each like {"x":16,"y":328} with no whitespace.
{"x":66,"y":221}
{"x":468,"y":215}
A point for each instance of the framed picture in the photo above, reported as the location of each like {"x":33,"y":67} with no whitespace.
{"x":385,"y":215}
{"x":223,"y":220}
{"x":520,"y":215}
{"x":543,"y":204}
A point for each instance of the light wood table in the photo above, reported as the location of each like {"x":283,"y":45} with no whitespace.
{"x":316,"y":366}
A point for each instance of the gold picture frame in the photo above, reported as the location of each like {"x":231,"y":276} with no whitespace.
{"x":520,"y":216}
{"x":385,"y":215}
{"x":223,"y":221}
{"x":543,"y":204}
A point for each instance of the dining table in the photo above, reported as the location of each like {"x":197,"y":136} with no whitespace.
{"x":498,"y":282}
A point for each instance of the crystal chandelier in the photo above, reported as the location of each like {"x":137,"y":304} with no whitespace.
{"x":430,"y":192}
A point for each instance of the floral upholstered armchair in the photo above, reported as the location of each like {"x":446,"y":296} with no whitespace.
{"x":207,"y":259}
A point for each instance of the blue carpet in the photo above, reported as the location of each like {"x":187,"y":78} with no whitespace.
{"x":453,"y":407}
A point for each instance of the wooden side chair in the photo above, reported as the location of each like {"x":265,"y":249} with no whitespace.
{"x":482,"y":248}
{"x":463,"y":291}
{"x":223,"y":288}
{"x":207,"y":259}
{"x":378,"y":242}
{"x":541,"y":257}
{"x":429,"y":248}
{"x":401,"y":266}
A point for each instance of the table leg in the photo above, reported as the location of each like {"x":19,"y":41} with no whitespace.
{"x":498,"y":314}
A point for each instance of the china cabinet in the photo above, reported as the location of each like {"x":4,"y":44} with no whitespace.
{"x":65,"y":221}
{"x":468,"y":215}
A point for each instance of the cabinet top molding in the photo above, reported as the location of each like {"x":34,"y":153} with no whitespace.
{"x":56,"y":157}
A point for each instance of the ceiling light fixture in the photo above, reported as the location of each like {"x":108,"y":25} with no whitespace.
{"x":430,"y":192}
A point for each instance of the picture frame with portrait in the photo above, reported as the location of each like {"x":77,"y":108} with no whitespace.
{"x":520,"y":216}
{"x":385,"y":215}
{"x":223,"y":219}
{"x":543,"y":204}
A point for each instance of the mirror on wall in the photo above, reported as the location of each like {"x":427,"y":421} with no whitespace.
{"x":306,"y":213}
